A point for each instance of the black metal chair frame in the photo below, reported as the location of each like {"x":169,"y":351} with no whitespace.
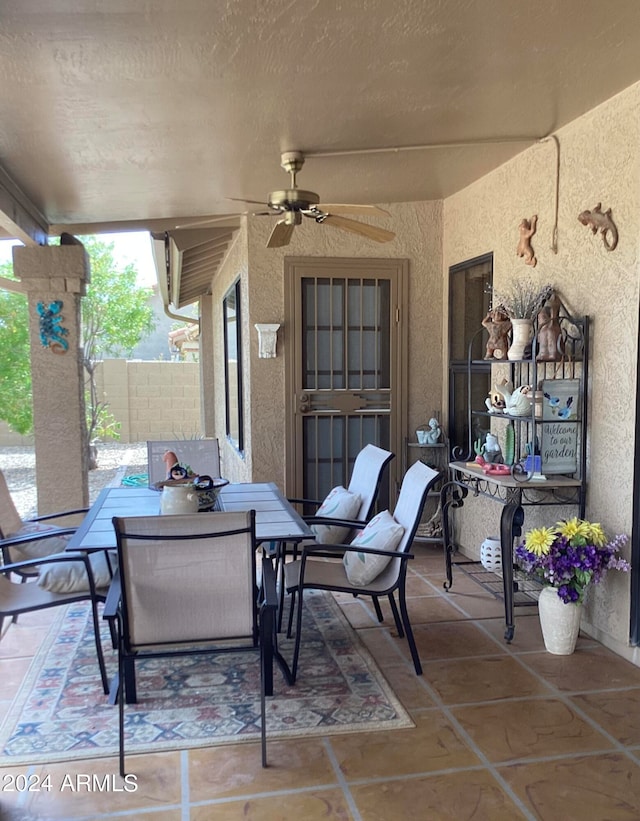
{"x":262,"y":641}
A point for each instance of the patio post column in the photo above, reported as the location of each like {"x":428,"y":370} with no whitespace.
{"x":54,"y":277}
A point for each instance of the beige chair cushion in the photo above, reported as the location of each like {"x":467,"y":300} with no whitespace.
{"x":339,"y":504}
{"x":41,"y":547}
{"x":381,"y":533}
{"x":71,"y":577}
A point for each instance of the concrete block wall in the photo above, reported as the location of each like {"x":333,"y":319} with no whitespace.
{"x":151,"y":400}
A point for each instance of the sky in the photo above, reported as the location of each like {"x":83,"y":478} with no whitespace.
{"x":131,"y":247}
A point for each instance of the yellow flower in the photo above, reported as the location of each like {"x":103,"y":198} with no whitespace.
{"x":573,"y":528}
{"x":596,"y":535}
{"x":539,"y":540}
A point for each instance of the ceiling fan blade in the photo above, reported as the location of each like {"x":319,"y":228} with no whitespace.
{"x":242,"y":199}
{"x":344,"y":208}
{"x":281,"y":234}
{"x":362,"y":228}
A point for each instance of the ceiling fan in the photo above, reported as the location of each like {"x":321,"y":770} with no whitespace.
{"x":292,"y":204}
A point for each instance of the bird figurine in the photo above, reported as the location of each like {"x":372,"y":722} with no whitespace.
{"x":517,"y":402}
{"x":564,"y":412}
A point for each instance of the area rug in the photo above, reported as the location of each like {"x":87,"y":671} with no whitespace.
{"x":61,"y":713}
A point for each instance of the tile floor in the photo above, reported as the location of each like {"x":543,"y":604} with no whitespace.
{"x":502,"y":732}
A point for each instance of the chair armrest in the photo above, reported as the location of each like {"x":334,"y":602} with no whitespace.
{"x":57,"y":515}
{"x":341,"y":549}
{"x":294,"y":501}
{"x":329,"y":520}
{"x":112,"y":602}
{"x":269,"y":588}
{"x":13,"y":541}
{"x":52,"y":559}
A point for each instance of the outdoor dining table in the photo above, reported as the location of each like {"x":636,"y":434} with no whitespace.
{"x":276,"y":521}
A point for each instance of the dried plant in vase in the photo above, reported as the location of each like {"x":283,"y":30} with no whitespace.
{"x":522,"y":300}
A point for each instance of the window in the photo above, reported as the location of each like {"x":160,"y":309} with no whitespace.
{"x":233,"y":366}
{"x":469,"y":299}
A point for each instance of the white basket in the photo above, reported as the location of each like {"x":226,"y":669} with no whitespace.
{"x":491,"y":554}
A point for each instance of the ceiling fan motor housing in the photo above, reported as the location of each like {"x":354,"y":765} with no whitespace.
{"x":292,"y":199}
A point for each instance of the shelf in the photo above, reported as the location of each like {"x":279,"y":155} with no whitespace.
{"x":425,"y":445}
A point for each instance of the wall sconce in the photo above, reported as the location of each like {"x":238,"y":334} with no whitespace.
{"x":267,"y":335}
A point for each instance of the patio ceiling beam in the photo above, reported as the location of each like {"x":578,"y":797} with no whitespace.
{"x":19,"y":217}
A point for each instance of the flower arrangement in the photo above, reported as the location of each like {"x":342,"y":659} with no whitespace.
{"x":570,"y":556}
{"x":523,"y":299}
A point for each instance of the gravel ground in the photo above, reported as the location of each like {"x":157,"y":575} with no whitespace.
{"x":115,"y":461}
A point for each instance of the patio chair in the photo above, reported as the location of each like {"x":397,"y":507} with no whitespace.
{"x":374,"y":564}
{"x":17,"y":598}
{"x":202,"y":456}
{"x":187,"y":584}
{"x":362,"y":489}
{"x":31,"y":538}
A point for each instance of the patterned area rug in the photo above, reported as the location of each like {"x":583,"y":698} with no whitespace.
{"x":61,"y":713}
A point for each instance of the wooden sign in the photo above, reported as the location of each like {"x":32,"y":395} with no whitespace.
{"x":560,"y":425}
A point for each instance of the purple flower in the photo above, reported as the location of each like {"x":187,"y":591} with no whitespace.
{"x":578,"y":555}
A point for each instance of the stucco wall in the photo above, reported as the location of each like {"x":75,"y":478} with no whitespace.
{"x":599,"y":162}
{"x":419,"y":229}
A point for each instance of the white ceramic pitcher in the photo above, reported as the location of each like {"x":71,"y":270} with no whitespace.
{"x":178,"y":499}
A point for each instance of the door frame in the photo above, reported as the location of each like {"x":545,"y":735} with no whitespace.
{"x":296,"y":268}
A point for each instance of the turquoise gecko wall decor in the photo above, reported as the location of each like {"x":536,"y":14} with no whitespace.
{"x":52,"y":334}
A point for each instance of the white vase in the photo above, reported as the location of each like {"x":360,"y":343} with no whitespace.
{"x":178,"y":499}
{"x":560,"y":622}
{"x":521,"y":336}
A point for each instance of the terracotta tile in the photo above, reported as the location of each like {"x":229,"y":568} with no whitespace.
{"x":617,"y":712}
{"x":430,"y":609}
{"x":216,"y":772}
{"x":585,"y":787}
{"x":477,"y":605}
{"x":459,"y":639}
{"x":12,"y":673}
{"x":532,"y":728}
{"x":157,"y":782}
{"x":310,"y":806}
{"x":361,"y":614}
{"x":385,"y":648}
{"x":152,"y":815}
{"x":487,"y":679}
{"x":21,"y":641}
{"x":368,"y":756}
{"x":588,"y":668}
{"x":407,"y":686}
{"x":462,"y":796}
{"x":527,"y":636}
{"x":417,"y":586}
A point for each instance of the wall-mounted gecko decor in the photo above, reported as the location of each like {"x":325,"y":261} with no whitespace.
{"x":52,"y":334}
{"x":527,"y":229}
{"x":599,"y":220}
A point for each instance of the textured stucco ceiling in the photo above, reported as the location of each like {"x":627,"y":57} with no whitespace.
{"x":143,"y":110}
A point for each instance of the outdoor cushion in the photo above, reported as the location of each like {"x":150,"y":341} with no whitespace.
{"x":41,"y":547}
{"x":381,"y":533}
{"x":339,"y":504}
{"x":71,"y":577}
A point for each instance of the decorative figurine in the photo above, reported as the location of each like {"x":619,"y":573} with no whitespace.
{"x":175,"y":470}
{"x":597,"y":219}
{"x":433,"y":434}
{"x":491,"y":451}
{"x":518,"y":402}
{"x":495,"y":401}
{"x":498,"y":324}
{"x":527,"y":229}
{"x":550,"y":347}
